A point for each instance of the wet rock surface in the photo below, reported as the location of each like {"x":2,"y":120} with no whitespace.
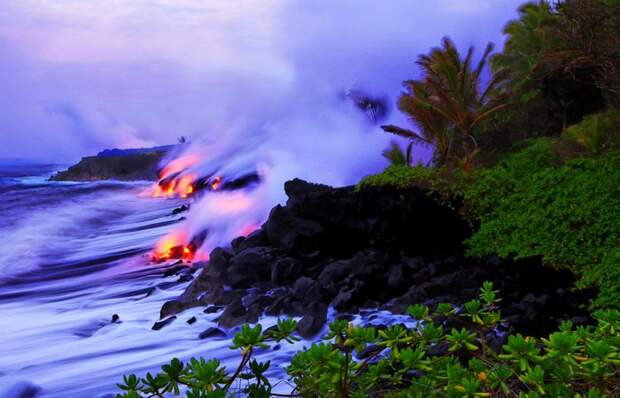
{"x":377,"y":248}
{"x":163,"y":323}
{"x":212,"y":332}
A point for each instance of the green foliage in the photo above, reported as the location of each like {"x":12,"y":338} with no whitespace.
{"x":200,"y":378}
{"x":449,"y":103}
{"x":397,"y":156}
{"x":443,"y":183}
{"x":567,"y":212}
{"x":563,"y":63}
{"x":422,"y":361}
{"x":400,"y":176}
{"x":407,"y":362}
{"x":528,"y":38}
{"x":502,"y":180}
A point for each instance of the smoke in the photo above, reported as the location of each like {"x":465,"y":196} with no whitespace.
{"x":79,"y":77}
{"x":256,"y":86}
{"x":301,"y":124}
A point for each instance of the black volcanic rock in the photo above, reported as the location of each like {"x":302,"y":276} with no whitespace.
{"x":180,"y":209}
{"x":236,"y":314}
{"x":212,"y":309}
{"x":250,"y":266}
{"x":255,"y":239}
{"x":312,"y":323}
{"x":163,"y":323}
{"x":378,"y":247}
{"x":285,"y":270}
{"x":306,"y":289}
{"x":212,"y":333}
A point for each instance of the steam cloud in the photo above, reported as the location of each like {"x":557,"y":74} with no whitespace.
{"x":255,"y":85}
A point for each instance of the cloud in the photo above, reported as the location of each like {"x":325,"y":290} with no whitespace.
{"x":81,"y":76}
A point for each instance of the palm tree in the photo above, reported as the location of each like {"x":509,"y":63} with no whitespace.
{"x":528,"y":38}
{"x":449,"y":102}
{"x":397,"y":156}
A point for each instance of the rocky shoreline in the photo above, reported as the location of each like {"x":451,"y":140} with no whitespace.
{"x":128,"y":165}
{"x":378,"y":248}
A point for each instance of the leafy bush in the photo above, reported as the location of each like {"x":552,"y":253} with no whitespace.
{"x":400,"y":176}
{"x":444,"y":183}
{"x":503,"y":179}
{"x":208,"y":379}
{"x":568,"y":213}
{"x":450,"y":352}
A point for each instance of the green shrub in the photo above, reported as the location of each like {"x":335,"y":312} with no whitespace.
{"x":430,"y":359}
{"x":502,"y":180}
{"x":443,"y":183}
{"x":399,"y":176}
{"x":200,"y":378}
{"x":569,"y":214}
{"x":546,"y":200}
{"x":597,"y":133}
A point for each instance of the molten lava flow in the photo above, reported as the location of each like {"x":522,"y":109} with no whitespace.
{"x":183,"y":187}
{"x":170,"y":190}
{"x":173,"y":179}
{"x":174,"y":246}
{"x":215,"y":184}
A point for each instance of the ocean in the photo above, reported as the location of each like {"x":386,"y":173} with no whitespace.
{"x":72,"y":256}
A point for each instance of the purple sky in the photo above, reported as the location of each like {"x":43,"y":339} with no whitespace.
{"x":79,"y":76}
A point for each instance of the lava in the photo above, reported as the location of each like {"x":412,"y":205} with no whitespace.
{"x":185,"y":186}
{"x":172,"y":187}
{"x":173,"y":246}
{"x":174,"y":180}
{"x":215,"y":184}
{"x":177,"y":246}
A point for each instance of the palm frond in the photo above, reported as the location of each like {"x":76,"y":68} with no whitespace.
{"x":404,"y":133}
{"x":449,"y":102}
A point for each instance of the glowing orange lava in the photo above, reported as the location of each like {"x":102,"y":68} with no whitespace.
{"x":185,"y":186}
{"x":173,"y":246}
{"x":172,"y":183}
{"x":215,"y":184}
{"x":182,"y":187}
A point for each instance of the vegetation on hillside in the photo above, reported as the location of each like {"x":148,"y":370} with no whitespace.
{"x":545,"y":181}
{"x":568,"y":214}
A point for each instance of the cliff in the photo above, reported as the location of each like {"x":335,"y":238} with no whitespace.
{"x":123,"y":167}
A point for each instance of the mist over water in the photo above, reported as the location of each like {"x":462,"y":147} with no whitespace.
{"x":74,"y":255}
